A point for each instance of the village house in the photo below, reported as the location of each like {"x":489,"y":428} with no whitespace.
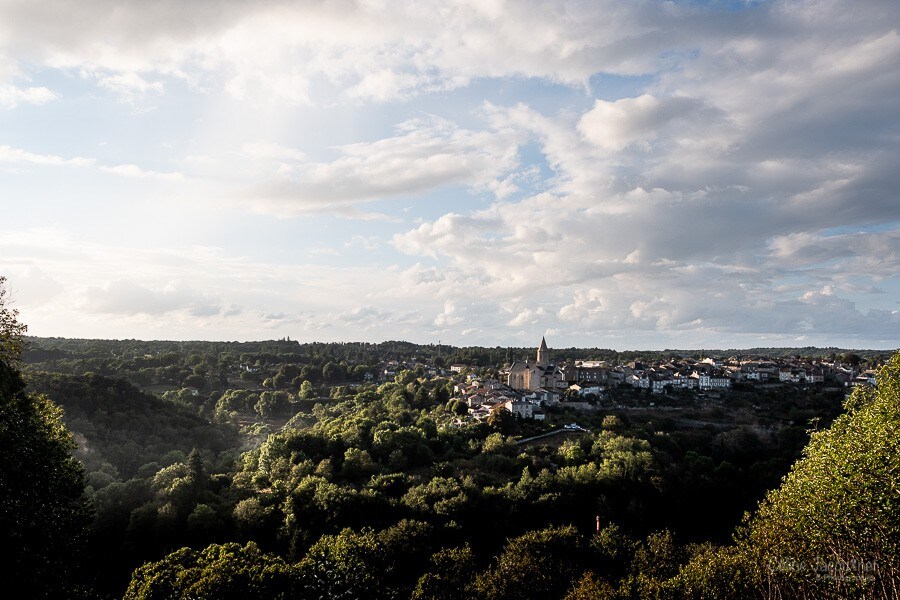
{"x":705,"y":381}
{"x":587,"y":390}
{"x":520,"y":408}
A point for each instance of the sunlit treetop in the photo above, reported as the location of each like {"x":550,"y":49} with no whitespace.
{"x":11,"y":331}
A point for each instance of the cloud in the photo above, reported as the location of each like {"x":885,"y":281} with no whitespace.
{"x":11,"y":96}
{"x":273,"y":51}
{"x":709,"y":172}
{"x":368,"y":318}
{"x":32,"y":286}
{"x":708,"y":203}
{"x":527,"y":316}
{"x":874,"y":254}
{"x":645,"y":120}
{"x":587,"y":308}
{"x":129,"y":87}
{"x":193,"y":292}
{"x":129,"y":298}
{"x":425,"y":154}
{"x":19,"y":156}
{"x":450,"y":317}
{"x":370,"y":51}
{"x":271,"y":151}
{"x":135,"y":171}
{"x":369,"y":243}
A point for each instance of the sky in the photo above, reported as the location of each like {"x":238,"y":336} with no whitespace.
{"x":627,"y":175}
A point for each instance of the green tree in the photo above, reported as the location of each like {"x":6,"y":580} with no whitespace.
{"x":852,"y":359}
{"x":451,"y":573}
{"x":612,"y":423}
{"x":253,"y":518}
{"x":458,"y":407}
{"x":442,"y":496}
{"x":655,"y":562}
{"x":203,"y":523}
{"x":306,"y":390}
{"x":225,"y":572}
{"x":11,"y":331}
{"x":43,"y":511}
{"x":833,"y":527}
{"x":421,"y":398}
{"x":272,"y":404}
{"x":539,"y":564}
{"x":502,"y":420}
{"x":195,"y":381}
{"x":370,"y":565}
{"x":714,"y":573}
{"x":405,"y":377}
{"x":572,"y":452}
{"x":332,"y":372}
{"x":197,"y":476}
{"x":358,"y":464}
{"x":591,"y":587}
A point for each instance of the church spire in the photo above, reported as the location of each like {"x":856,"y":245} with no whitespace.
{"x":543,"y":354}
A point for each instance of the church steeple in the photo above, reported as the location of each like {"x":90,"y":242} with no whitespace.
{"x":543,"y":354}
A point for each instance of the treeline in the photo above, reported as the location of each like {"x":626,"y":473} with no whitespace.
{"x":209,"y":366}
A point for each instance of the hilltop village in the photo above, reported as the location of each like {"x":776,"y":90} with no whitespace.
{"x":525,"y":388}
{"x":225,"y":380}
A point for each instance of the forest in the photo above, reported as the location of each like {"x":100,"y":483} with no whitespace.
{"x":145,"y":470}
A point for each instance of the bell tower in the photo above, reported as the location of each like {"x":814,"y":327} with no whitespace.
{"x":543,"y":354}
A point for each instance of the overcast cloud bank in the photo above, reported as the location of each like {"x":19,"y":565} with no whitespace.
{"x":624,"y":174}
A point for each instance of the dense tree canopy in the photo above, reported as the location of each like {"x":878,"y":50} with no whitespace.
{"x":43,"y":511}
{"x":225,"y":572}
{"x":833,"y":528}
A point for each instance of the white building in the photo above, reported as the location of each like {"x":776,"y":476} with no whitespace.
{"x":521,"y":408}
{"x":713,"y":382}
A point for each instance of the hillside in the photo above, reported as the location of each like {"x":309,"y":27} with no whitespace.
{"x":297,"y":481}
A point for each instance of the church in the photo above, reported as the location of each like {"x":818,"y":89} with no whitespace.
{"x":526,"y":375}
